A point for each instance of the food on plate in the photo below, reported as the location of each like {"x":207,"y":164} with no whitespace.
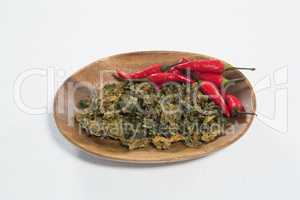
{"x":162,"y":105}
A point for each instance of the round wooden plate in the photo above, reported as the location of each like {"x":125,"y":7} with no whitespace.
{"x":80,"y":85}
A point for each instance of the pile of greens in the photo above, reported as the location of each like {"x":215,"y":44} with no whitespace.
{"x":140,"y":114}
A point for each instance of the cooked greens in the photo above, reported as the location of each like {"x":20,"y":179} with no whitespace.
{"x":140,"y":114}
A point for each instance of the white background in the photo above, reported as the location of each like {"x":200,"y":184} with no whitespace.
{"x":37,"y":163}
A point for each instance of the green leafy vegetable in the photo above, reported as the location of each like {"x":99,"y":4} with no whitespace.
{"x":139,"y":115}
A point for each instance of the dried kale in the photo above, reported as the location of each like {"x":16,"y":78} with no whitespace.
{"x":140,"y":114}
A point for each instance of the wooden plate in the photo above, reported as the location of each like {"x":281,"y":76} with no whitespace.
{"x":79,"y":85}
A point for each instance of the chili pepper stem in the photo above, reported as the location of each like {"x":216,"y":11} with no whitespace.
{"x":241,"y":68}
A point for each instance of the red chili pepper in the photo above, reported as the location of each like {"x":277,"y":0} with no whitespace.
{"x":235,"y":106}
{"x":174,"y":70}
{"x":208,"y":66}
{"x":151,"y":69}
{"x":217,"y":79}
{"x":159,"y":78}
{"x":122,"y":75}
{"x":213,"y":93}
{"x":177,"y":71}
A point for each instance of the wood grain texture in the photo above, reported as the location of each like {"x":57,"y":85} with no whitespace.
{"x":100,"y":72}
